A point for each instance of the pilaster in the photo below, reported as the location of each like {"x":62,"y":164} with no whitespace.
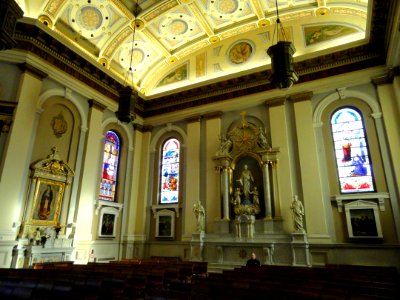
{"x":282,"y":172}
{"x":89,"y":183}
{"x":308,"y":165}
{"x":212,"y":185}
{"x":192,"y":176}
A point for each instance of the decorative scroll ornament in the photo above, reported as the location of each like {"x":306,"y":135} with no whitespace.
{"x":53,"y":168}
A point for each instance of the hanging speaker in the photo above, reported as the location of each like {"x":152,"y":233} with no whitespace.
{"x":283,"y":74}
{"x":126,"y":104}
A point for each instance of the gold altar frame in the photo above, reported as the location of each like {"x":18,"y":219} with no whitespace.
{"x":44,"y":213}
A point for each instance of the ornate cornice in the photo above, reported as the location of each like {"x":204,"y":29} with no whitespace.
{"x":213,"y":115}
{"x":95,"y":104}
{"x":304,"y":96}
{"x":38,"y":42}
{"x":24,"y":67}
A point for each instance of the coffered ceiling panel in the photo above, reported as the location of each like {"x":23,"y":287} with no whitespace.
{"x":175,"y":45}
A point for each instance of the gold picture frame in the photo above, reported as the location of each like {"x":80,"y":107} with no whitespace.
{"x":47,"y":201}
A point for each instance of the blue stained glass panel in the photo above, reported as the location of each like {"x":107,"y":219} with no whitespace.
{"x":351,"y":152}
{"x":170,"y":171}
{"x":110,"y":167}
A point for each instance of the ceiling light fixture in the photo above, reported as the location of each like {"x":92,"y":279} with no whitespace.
{"x":127,"y":95}
{"x":283,"y":74}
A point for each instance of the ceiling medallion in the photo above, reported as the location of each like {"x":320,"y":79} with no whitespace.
{"x":138,"y":23}
{"x":172,"y":59}
{"x":264,"y":23}
{"x":46,"y":20}
{"x":214,"y":39}
{"x":322,"y":11}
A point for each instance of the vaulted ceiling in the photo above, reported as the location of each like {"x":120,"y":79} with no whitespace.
{"x":179,"y":45}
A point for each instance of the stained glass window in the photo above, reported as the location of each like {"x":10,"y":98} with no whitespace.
{"x":351,"y":151}
{"x":170,"y":171}
{"x":110,"y":167}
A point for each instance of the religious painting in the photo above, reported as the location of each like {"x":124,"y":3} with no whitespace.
{"x":322,"y":33}
{"x":179,"y":74}
{"x":240,"y":52}
{"x":165,"y":224}
{"x":47,"y":202}
{"x":107,"y":224}
{"x":363,"y":220}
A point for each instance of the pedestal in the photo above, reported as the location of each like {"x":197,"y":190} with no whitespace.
{"x":221,"y":227}
{"x":300,"y":249}
{"x":196,"y":246}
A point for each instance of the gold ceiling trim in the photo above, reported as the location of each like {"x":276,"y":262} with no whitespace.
{"x":159,"y":10}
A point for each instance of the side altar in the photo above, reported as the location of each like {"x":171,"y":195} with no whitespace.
{"x":44,"y":235}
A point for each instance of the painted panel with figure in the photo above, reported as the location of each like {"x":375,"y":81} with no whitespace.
{"x":47,"y":202}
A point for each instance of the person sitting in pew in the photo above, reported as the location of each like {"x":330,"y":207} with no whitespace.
{"x":253,"y":261}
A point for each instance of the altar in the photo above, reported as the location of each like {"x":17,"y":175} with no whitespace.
{"x":26,"y":254}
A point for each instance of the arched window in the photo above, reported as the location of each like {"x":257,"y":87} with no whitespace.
{"x":351,"y":150}
{"x":169,"y":186}
{"x":110,"y":166}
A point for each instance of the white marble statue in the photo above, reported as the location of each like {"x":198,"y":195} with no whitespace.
{"x":200,"y":214}
{"x":298,"y":214}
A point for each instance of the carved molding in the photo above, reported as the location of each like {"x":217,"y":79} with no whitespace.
{"x":342,"y":199}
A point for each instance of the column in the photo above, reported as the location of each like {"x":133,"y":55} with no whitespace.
{"x":267,"y":190}
{"x":89,"y":188}
{"x":192,"y":173}
{"x":225,"y":191}
{"x":308,"y":165}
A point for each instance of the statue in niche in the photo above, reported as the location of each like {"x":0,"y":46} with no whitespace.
{"x":246,"y":180}
{"x":246,"y":197}
{"x":224,"y":147}
{"x":298,"y":213}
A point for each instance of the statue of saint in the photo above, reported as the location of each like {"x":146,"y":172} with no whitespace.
{"x":224,"y":147}
{"x":200,"y":214}
{"x":298,"y":213}
{"x":262,"y":139}
{"x":246,"y":180}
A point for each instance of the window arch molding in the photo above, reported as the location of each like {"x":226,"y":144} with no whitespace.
{"x":123,"y":130}
{"x":326,"y":101}
{"x":162,"y":132}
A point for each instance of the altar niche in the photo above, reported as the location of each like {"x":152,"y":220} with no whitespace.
{"x":247,"y":188}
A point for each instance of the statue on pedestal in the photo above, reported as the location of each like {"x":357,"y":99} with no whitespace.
{"x":298,"y":213}
{"x":200,"y":214}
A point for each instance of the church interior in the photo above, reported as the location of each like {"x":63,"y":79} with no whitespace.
{"x":140,"y":129}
